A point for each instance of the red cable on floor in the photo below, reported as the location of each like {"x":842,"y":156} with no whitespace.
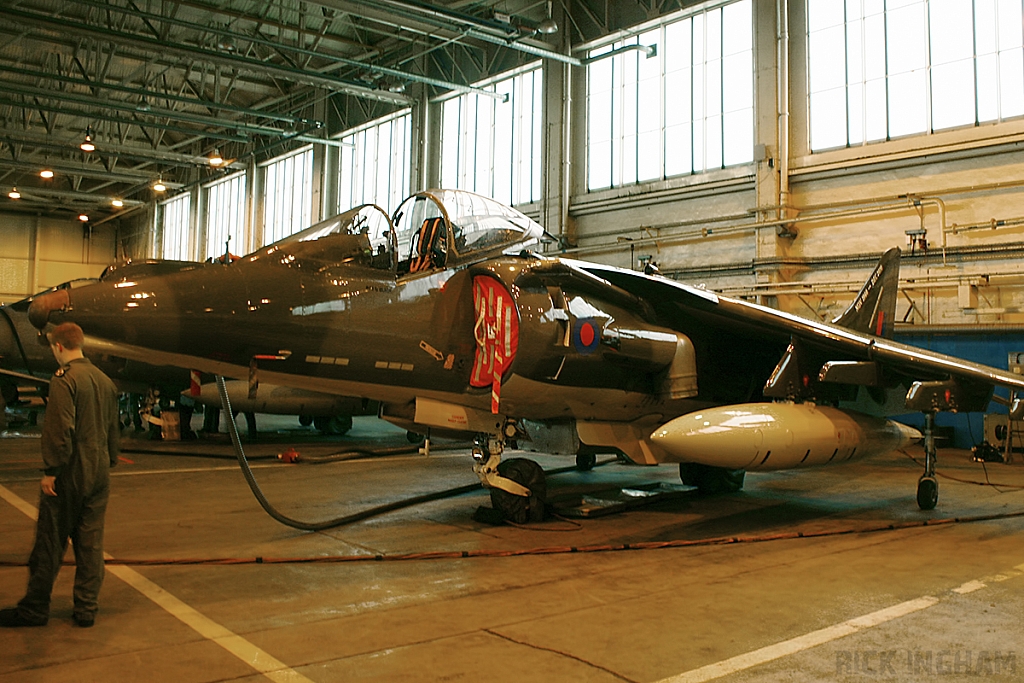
{"x":555,"y":550}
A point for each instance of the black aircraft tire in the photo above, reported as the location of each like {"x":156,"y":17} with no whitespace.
{"x":520,"y":509}
{"x":585,"y":461}
{"x":711,"y":480}
{"x":335,"y":425}
{"x":305,"y":420}
{"x":927,"y":493}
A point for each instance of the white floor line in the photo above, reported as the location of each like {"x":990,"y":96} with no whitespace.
{"x":815,"y":638}
{"x":186,"y":470}
{"x":26,"y":508}
{"x":969,"y":587}
{"x":258,"y":659}
{"x":801,"y":643}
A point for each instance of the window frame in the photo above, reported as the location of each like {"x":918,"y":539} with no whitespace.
{"x":398,"y":176}
{"x":241,"y":232}
{"x":931,"y":134}
{"x":181,"y":230}
{"x":624,"y":160}
{"x":520,"y":181}
{"x":270,"y":201}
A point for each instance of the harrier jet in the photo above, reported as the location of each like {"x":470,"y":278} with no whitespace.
{"x":448,"y":315}
{"x":25,"y":360}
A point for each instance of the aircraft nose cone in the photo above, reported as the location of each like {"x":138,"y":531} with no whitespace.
{"x":42,"y":306}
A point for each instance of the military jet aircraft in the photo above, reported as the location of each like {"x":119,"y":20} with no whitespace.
{"x":451,"y":319}
{"x":26,"y":361}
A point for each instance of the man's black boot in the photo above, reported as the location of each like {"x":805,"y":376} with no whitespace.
{"x":10,"y":617}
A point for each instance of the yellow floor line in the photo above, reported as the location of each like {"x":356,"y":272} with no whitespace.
{"x":258,"y":659}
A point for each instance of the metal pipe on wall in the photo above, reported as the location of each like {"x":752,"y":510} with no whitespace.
{"x":782,"y":155}
{"x":908,"y":202}
{"x":33,"y":259}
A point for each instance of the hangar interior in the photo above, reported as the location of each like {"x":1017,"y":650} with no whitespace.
{"x":769,"y":150}
{"x":693,"y":135}
{"x":704,"y":142}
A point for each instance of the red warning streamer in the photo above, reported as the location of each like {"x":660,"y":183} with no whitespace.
{"x":497,"y":335}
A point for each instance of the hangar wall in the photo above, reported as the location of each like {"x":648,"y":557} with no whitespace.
{"x":721,"y":228}
{"x":37,"y":252}
{"x":964,"y":187}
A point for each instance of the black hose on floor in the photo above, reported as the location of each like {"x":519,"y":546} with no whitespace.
{"x":236,"y":441}
{"x":191,"y":454}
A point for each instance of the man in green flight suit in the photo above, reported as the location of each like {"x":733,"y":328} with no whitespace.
{"x":80,"y":443}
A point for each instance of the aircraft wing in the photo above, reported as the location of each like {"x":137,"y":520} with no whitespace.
{"x":927,"y":369}
{"x":22,"y":376}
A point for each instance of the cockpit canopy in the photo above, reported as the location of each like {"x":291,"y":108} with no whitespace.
{"x":360,"y":236}
{"x":447,"y":227}
{"x":431,"y":230}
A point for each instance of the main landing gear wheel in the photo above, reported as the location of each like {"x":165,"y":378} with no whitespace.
{"x":333,"y":425}
{"x":711,"y":480}
{"x":521,"y":509}
{"x":585,"y":460}
{"x":927,"y":493}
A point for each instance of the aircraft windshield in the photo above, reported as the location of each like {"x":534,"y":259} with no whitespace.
{"x":476,"y":215}
{"x":361,"y":235}
{"x":478,"y":224}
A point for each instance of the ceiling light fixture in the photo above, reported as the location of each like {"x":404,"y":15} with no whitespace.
{"x":87,"y":144}
{"x":46,"y":173}
{"x":117,"y":203}
{"x":159,"y":186}
{"x":14,"y":194}
{"x":548,"y":25}
{"x":82,"y":217}
{"x":215,"y":158}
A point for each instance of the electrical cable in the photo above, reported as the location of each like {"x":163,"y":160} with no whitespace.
{"x":346,"y":519}
{"x":236,"y":442}
{"x":358,"y":452}
{"x":555,"y":550}
{"x":190,"y":453}
{"x":986,"y":482}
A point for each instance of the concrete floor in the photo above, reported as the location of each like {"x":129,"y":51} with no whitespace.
{"x":908,"y":604}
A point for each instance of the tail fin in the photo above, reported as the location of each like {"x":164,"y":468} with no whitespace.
{"x":874,"y":308}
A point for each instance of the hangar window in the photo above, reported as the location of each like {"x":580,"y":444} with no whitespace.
{"x":686,"y":109}
{"x":174,"y":222}
{"x":287,"y":195}
{"x":491,"y":145}
{"x":880,"y":69}
{"x":225,"y":216}
{"x":375,"y":161}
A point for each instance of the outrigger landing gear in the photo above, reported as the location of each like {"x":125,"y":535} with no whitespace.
{"x":927,"y":485}
{"x":517,"y":486}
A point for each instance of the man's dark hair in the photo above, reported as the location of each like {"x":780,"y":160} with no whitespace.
{"x":68,"y":335}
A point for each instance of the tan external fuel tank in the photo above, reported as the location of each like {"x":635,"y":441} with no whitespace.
{"x":775,"y":436}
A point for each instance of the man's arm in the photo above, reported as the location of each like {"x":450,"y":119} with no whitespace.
{"x":58,"y":426}
{"x":114,"y":433}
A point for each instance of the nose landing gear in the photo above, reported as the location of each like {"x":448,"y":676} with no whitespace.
{"x":518,"y":487}
{"x":927,"y":485}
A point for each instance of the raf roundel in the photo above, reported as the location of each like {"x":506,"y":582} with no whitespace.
{"x":585,"y":335}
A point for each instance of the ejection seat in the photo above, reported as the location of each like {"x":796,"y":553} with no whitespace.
{"x":429,"y":246}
